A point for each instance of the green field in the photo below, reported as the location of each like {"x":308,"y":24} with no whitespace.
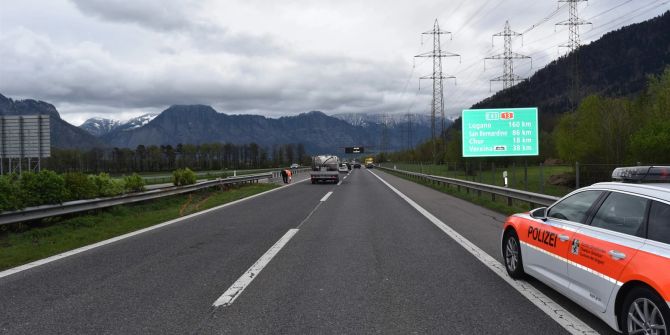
{"x":23,"y":243}
{"x":515,"y":176}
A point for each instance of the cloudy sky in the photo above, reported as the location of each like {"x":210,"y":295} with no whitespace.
{"x":120,"y":58}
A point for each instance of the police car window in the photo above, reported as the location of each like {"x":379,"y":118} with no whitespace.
{"x":575,"y":207}
{"x":621,"y":213}
{"x":659,"y":222}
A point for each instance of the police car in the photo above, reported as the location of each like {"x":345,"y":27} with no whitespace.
{"x":606,"y":247}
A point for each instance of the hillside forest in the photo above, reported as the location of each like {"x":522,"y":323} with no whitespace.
{"x":601,"y":130}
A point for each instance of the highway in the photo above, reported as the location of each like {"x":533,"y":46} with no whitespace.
{"x":354,"y":258}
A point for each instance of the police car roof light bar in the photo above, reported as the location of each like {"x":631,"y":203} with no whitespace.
{"x":640,"y":174}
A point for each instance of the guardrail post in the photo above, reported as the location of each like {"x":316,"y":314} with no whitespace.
{"x":541,"y":178}
{"x":513,"y":175}
{"x":480,"y":172}
{"x":493,"y":179}
{"x":525,"y":175}
{"x":576,"y":175}
{"x":493,"y":173}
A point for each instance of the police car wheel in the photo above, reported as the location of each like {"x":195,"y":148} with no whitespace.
{"x":644,"y":312}
{"x":512,"y":255}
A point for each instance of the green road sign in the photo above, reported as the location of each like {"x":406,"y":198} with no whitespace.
{"x":500,"y":132}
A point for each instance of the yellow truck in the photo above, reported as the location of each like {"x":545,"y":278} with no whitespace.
{"x":369,"y":162}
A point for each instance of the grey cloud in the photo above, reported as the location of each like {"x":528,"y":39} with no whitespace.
{"x":180,"y":17}
{"x":85,"y":74}
{"x":154,"y":14}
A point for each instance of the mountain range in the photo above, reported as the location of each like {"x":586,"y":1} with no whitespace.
{"x":391,"y":120}
{"x":197,"y":124}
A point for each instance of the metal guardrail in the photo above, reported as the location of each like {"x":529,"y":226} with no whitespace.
{"x":40,"y":212}
{"x":277,"y":174}
{"x":510,"y":193}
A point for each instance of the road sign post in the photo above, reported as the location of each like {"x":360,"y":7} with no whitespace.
{"x":500,"y":132}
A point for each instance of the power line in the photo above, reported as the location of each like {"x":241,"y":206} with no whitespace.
{"x":472,"y":78}
{"x":473,"y":15}
{"x":545,"y":19}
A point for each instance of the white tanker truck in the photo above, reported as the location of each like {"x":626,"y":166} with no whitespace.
{"x":324,"y":168}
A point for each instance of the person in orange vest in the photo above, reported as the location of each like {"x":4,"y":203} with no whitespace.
{"x":290,"y":174}
{"x":284,"y":176}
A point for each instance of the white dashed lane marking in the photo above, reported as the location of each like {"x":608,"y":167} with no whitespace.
{"x":228,"y":297}
{"x":325,"y":197}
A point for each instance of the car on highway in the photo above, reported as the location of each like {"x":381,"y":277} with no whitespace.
{"x":342,"y":168}
{"x":605,"y":246}
{"x":294,"y":166}
{"x":357,"y":165}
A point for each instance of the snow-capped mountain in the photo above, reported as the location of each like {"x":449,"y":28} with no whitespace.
{"x":392,"y":120}
{"x":99,"y":127}
{"x":137,"y":122}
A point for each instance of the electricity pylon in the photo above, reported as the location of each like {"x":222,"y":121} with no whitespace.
{"x":437,"y":105}
{"x":573,"y":23}
{"x":508,"y":56}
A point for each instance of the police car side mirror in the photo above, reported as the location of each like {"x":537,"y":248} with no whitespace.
{"x":539,"y":213}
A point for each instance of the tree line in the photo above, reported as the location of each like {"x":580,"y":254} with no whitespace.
{"x":157,"y":158}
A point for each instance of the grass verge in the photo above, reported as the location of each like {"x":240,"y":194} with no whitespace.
{"x":25,"y":243}
{"x":499,"y":205}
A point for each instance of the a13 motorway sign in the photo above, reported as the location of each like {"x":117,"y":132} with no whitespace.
{"x":500,"y":132}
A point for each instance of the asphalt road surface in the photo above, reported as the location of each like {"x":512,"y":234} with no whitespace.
{"x":354,"y":258}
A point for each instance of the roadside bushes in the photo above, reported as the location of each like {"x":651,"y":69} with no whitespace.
{"x":133,"y":183}
{"x":80,"y":186}
{"x":106,"y":186}
{"x":183,"y":177}
{"x":44,"y":187}
{"x":47,"y":188}
{"x":10,"y":193}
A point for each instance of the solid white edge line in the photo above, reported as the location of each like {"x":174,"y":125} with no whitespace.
{"x":50,"y":259}
{"x":564,"y":318}
{"x":325,"y":197}
{"x":228,"y":297}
